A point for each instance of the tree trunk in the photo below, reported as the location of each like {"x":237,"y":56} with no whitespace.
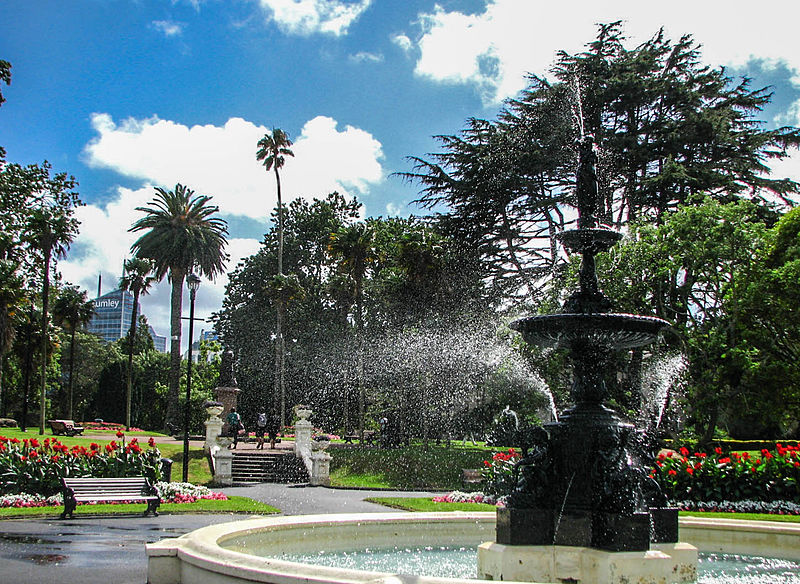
{"x":71,"y":370}
{"x":45,"y":303}
{"x":280,"y":346}
{"x":360,"y":358}
{"x":176,"y":305}
{"x":129,"y":372}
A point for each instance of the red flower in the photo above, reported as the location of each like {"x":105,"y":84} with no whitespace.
{"x":94,"y":446}
{"x":34,"y":443}
{"x":690,"y":470}
{"x":108,"y":448}
{"x":672,"y":472}
{"x":151,"y":443}
{"x":684,"y":451}
{"x":54,"y":458}
{"x":120,"y":433}
{"x":485,"y":462}
{"x":718,"y":450}
{"x":724,"y":460}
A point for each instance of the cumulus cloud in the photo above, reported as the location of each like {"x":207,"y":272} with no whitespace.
{"x":168,"y":28}
{"x":365,"y":57}
{"x":215,"y":160}
{"x":403,"y":42}
{"x":220,"y":160}
{"x":495,"y":48}
{"x":306,"y":17}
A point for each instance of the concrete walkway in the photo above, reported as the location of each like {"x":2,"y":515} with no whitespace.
{"x":110,"y":550}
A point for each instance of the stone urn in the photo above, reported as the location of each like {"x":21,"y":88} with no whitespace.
{"x":213,"y":408}
{"x":303,"y":413}
{"x":320,"y":443}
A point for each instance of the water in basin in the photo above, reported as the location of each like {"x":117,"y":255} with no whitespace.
{"x":461,"y":562}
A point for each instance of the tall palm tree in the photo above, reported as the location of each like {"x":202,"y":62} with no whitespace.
{"x":182,"y":234}
{"x":272,"y":150}
{"x":72,"y":310}
{"x":49,"y":230}
{"x":137,"y":279}
{"x":354,"y":246}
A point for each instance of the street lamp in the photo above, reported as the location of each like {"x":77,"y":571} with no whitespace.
{"x":193,"y":283}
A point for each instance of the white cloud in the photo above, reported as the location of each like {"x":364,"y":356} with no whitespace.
{"x":305,"y":17}
{"x":365,"y":57}
{"x":215,"y":160}
{"x":168,"y":28}
{"x":494,"y":49}
{"x":220,"y":160}
{"x":403,"y":42}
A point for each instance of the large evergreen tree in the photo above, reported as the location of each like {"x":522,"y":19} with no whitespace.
{"x":667,"y":125}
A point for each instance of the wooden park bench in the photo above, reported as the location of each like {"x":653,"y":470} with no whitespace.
{"x":369,"y":437}
{"x":86,"y":490}
{"x":471,"y":477}
{"x":65,"y":428}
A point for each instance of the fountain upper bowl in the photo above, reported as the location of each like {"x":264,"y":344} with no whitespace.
{"x":606,"y":330}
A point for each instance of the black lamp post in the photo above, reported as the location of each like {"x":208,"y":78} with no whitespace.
{"x":193,"y":283}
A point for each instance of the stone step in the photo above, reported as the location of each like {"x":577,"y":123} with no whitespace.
{"x":263,"y":467}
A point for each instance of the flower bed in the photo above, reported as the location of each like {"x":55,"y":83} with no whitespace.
{"x":169,"y":493}
{"x":774,"y":475}
{"x":107,"y":426}
{"x":475,"y":497}
{"x":30,"y":466}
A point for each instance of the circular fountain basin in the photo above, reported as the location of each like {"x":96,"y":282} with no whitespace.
{"x":611,"y":330}
{"x":245,"y":551}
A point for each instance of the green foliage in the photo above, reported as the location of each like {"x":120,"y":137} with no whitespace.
{"x":668,"y":127}
{"x":499,"y":473}
{"x":769,"y":476}
{"x":412,"y":467}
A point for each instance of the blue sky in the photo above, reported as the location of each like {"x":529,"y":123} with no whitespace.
{"x":131,"y":94}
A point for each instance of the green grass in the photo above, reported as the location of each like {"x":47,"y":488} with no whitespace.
{"x":341,"y":478}
{"x":426,"y":504}
{"x":747,"y":516}
{"x":232,"y":505}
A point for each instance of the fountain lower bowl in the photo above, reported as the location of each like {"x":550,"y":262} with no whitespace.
{"x":226,"y":553}
{"x":610,"y":330}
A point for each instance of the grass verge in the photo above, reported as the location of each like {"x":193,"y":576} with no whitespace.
{"x":425,"y":504}
{"x":232,"y":505}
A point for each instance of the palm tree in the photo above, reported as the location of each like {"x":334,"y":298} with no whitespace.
{"x":272,"y":150}
{"x":50,"y":231}
{"x":182,"y":234}
{"x":137,"y":279}
{"x":354,"y":245}
{"x":72,"y":310}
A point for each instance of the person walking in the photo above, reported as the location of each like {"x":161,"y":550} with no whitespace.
{"x":261,"y":429}
{"x":234,"y":425}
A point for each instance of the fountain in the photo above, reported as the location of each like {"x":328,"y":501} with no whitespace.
{"x":583,"y":497}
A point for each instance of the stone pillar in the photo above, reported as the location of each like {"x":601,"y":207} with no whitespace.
{"x":302,"y":431}
{"x":223,"y":461}
{"x":320,"y":469}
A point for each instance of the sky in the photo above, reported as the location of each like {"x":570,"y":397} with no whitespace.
{"x":128,"y":95}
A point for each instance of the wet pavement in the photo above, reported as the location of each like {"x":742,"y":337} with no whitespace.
{"x":110,"y":550}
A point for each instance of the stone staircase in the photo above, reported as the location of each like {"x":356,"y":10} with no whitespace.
{"x":251,"y":466}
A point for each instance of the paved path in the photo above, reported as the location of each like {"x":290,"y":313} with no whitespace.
{"x":95,"y":550}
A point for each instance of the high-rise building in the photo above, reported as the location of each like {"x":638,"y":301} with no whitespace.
{"x":112,"y":318}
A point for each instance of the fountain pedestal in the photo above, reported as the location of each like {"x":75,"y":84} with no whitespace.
{"x":674,"y":563}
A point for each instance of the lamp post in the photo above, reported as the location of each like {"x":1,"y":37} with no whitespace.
{"x":193,"y":283}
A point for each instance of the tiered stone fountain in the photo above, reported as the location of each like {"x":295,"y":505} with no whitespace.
{"x":584,"y":508}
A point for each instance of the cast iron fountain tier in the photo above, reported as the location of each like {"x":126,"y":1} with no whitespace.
{"x":585,"y":482}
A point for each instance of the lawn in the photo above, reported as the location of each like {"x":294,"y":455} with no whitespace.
{"x":425,"y":504}
{"x":232,"y":505}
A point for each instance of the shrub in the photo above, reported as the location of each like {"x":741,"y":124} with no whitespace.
{"x":499,"y":472}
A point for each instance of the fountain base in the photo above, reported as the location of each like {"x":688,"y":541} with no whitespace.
{"x":668,"y":563}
